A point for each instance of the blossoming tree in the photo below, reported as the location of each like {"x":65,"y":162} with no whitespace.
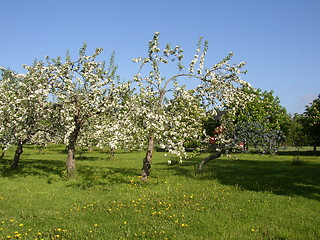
{"x":25,"y":111}
{"x":82,"y":90}
{"x":170,"y":112}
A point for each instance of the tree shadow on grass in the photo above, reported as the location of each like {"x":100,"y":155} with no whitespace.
{"x":298,"y":153}
{"x":102,"y":177}
{"x":279,"y":177}
{"x":86,"y":177}
{"x":34,"y":167}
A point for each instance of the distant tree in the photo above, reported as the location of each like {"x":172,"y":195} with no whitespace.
{"x":297,"y":134}
{"x":312,"y":114}
{"x":260,"y":122}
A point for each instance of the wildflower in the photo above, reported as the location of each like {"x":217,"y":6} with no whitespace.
{"x":18,"y":235}
{"x":124,"y":223}
{"x":252,"y":230}
{"x":169,"y":162}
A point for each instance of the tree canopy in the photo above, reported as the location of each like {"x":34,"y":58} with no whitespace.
{"x":260,"y":122}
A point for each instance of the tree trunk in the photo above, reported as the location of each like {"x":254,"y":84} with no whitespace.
{"x":112,"y":152}
{"x":71,"y":162}
{"x":16,"y":158}
{"x":207,"y":159}
{"x":147,"y":160}
{"x":315,"y":147}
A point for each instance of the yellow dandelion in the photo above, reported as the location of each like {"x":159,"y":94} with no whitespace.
{"x":252,"y":230}
{"x":124,"y":222}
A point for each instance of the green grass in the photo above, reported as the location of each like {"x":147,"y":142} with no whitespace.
{"x":247,"y":196}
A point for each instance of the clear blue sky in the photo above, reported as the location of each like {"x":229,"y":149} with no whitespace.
{"x":279,"y":39}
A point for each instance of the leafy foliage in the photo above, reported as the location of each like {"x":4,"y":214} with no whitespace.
{"x":261,"y":122}
{"x":312,"y":114}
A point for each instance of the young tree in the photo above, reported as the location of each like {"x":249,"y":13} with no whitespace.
{"x":164,"y":105}
{"x":25,"y":111}
{"x":312,"y":114}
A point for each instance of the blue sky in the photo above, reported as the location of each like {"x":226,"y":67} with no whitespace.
{"x":279,"y":39}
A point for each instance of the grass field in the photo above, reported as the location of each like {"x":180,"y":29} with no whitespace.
{"x":247,"y":196}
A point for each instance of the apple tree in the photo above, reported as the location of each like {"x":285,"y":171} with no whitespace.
{"x":25,"y":109}
{"x":81,"y":91}
{"x":171,"y":106}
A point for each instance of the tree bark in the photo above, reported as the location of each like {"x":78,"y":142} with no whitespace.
{"x":112,"y":152}
{"x":16,"y":158}
{"x":147,"y":161}
{"x":207,"y":159}
{"x":71,"y":162}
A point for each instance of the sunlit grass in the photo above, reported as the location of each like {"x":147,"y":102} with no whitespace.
{"x":247,"y":196}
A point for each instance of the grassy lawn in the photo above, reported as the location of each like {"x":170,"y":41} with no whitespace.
{"x":247,"y":196}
